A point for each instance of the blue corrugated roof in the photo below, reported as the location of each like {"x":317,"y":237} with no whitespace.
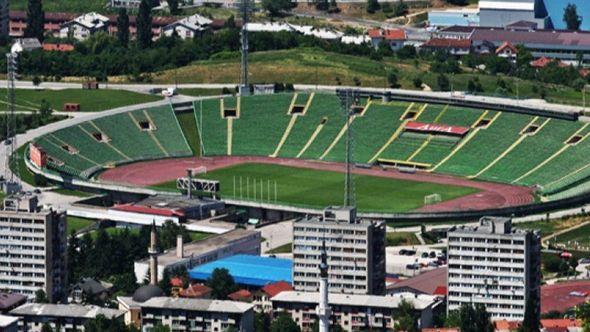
{"x":248,"y":270}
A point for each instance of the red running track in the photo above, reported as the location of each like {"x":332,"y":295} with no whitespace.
{"x":491,"y":195}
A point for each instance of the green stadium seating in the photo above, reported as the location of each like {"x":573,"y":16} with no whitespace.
{"x":168,"y":132}
{"x":532,"y":151}
{"x":212,"y":126}
{"x":486,"y":145}
{"x":262,"y":122}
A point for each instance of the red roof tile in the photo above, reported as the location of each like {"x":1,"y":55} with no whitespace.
{"x":58,"y":47}
{"x":148,"y":210}
{"x":389,"y":34}
{"x":506,"y":325}
{"x":176,"y":282}
{"x":506,"y":45}
{"x":195,"y":291}
{"x":560,"y":323}
{"x":240,"y":295}
{"x":273,"y":289}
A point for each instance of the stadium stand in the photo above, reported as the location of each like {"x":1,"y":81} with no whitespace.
{"x":140,"y":135}
{"x":262,"y":122}
{"x":533,"y":150}
{"x":214,"y":127}
{"x":487,"y":144}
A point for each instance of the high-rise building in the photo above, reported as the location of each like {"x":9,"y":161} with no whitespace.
{"x":494,"y":265}
{"x":32,"y":248}
{"x":4,"y":18}
{"x":355,"y":249}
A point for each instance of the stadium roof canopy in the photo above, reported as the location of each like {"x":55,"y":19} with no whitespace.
{"x":248,"y":270}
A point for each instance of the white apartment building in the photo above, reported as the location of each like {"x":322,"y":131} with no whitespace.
{"x":356,"y":312}
{"x":494,"y":265}
{"x":355,"y":248}
{"x":32,"y":248}
{"x":182,"y":314}
{"x":83,"y":26}
{"x":60,"y":317}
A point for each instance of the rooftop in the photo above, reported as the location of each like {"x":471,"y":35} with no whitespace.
{"x":194,"y":22}
{"x":195,"y":291}
{"x":447,"y":43}
{"x":201,"y":247}
{"x":276,"y":288}
{"x":163,"y":205}
{"x":419,"y":302}
{"x":6,"y":321}
{"x":64,"y":310}
{"x":427,"y":283}
{"x":9,"y":300}
{"x":189,"y":304}
{"x":540,"y":37}
{"x":248,"y":270}
{"x":240,"y":295}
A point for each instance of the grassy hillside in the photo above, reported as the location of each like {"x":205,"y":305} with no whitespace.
{"x":76,"y":6}
{"x":89,"y":100}
{"x":313,"y":66}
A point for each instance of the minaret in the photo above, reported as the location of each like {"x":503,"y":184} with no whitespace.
{"x":323,"y":309}
{"x":153,"y":252}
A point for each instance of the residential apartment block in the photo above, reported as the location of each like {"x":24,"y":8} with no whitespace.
{"x":355,"y":248}
{"x":356,"y":312}
{"x":495,"y":265}
{"x":32,"y":248}
{"x":181,"y":314}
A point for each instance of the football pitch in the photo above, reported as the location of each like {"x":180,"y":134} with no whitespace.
{"x":318,"y":188}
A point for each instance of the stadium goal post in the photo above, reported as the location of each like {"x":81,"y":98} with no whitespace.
{"x":432,"y":199}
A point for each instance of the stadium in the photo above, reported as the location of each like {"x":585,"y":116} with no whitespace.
{"x":413,"y":157}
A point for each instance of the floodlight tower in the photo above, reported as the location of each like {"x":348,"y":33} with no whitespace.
{"x":11,"y":180}
{"x":244,"y":88}
{"x":347,"y":98}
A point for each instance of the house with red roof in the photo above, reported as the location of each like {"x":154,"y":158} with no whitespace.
{"x":262,"y":302}
{"x":561,"y":325}
{"x":396,"y":38}
{"x":452,"y":46}
{"x":196,"y":291}
{"x":242,"y":295}
{"x":543,"y":62}
{"x":507,"y":50}
{"x":504,"y":325}
{"x":51,"y":47}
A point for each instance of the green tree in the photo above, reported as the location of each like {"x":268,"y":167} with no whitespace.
{"x":373,"y":6}
{"x":35,"y":20}
{"x":322,"y":5}
{"x":46,"y":327}
{"x":276,"y":7}
{"x":406,"y":318}
{"x":392,"y":79}
{"x":144,"y":24}
{"x":261,"y":322}
{"x":583,"y":313}
{"x":221,"y":283}
{"x":284,"y":323}
{"x":333,"y":327}
{"x":123,"y":27}
{"x":443,"y":82}
{"x":174,"y":7}
{"x":41,"y":297}
{"x":160,"y":328}
{"x":571,"y":17}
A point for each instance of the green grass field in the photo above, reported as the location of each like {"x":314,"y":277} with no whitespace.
{"x":64,"y":5}
{"x":89,"y":100}
{"x":74,"y":224}
{"x":401,"y":239}
{"x":318,"y":189}
{"x":578,"y":238}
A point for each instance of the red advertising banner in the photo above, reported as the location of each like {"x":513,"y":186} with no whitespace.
{"x":436,"y":128}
